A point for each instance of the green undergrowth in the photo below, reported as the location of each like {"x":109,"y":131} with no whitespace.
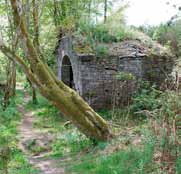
{"x":122,"y":117}
{"x":10,"y":155}
{"x":96,"y":38}
{"x":20,"y":164}
{"x":133,"y":160}
{"x":70,"y":143}
{"x":88,"y":37}
{"x":136,"y":146}
{"x":47,"y":116}
{"x":67,"y":139}
{"x":148,"y":104}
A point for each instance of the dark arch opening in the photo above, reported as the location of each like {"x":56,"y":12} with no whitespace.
{"x":67,"y":72}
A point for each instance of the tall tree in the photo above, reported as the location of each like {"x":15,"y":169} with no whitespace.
{"x":105,"y":10}
{"x":11,"y":65}
{"x":11,"y":82}
{"x":63,"y":97}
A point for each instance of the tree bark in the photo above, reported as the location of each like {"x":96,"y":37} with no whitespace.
{"x":10,"y":89}
{"x":33,"y":92}
{"x":56,"y":17}
{"x":105,"y":10}
{"x":63,"y":97}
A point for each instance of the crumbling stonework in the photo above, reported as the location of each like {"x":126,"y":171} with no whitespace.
{"x":95,"y":78}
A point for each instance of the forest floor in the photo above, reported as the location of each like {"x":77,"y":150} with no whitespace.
{"x":29,"y":135}
{"x":53,"y":145}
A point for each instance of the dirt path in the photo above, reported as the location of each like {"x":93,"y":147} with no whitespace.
{"x":29,"y":135}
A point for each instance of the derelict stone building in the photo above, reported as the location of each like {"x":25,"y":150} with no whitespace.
{"x":97,"y":79}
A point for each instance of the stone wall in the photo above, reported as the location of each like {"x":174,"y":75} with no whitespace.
{"x":157,"y":69}
{"x":97,"y":81}
{"x":95,"y":78}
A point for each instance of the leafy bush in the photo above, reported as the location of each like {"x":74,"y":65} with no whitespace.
{"x":103,"y":33}
{"x":167,"y":35}
{"x":146,"y":98}
{"x":124,"y":33}
{"x":164,"y":111}
{"x":99,"y":33}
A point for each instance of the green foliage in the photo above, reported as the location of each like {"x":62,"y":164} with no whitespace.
{"x":9,"y":119}
{"x":101,"y":51}
{"x":98,"y":33}
{"x":102,"y":145}
{"x":95,"y":36}
{"x":159,"y":32}
{"x":48,"y":116}
{"x":19,"y":164}
{"x":123,"y":33}
{"x":166,"y":117}
{"x":178,"y":165}
{"x":102,"y":32}
{"x":149,"y":30}
{"x":70,"y":142}
{"x":2,"y":68}
{"x":106,"y":114}
{"x":162,"y":111}
{"x":123,"y":76}
{"x":121,"y":116}
{"x":146,"y":98}
{"x":68,"y":139}
{"x":130,"y":161}
{"x":166,"y":34}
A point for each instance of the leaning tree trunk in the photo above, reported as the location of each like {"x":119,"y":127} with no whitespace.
{"x":63,"y":97}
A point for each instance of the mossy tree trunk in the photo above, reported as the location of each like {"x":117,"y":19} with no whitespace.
{"x":63,"y":97}
{"x":10,"y":89}
{"x":33,"y":92}
{"x":11,"y":82}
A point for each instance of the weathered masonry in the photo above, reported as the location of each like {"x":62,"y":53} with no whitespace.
{"x":97,"y":79}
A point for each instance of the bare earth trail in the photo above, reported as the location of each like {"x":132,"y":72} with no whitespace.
{"x":28,"y":133}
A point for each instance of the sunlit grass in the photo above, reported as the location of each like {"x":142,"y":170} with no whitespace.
{"x":10,"y":118}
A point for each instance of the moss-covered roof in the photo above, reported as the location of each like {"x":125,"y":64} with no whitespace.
{"x":136,"y":48}
{"x":139,"y":45}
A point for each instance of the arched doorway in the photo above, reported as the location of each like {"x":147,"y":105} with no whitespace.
{"x":67,"y":72}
